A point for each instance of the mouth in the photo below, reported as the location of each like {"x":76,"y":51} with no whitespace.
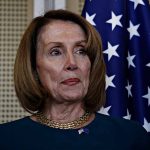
{"x":71,"y":81}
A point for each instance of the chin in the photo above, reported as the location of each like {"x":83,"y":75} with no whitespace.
{"x":70,"y":94}
{"x":73,"y":97}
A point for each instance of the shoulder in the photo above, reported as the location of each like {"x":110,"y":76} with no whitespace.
{"x":12,"y":131}
{"x":18,"y":121}
{"x":120,"y":123}
{"x":122,"y":129}
{"x":14,"y":125}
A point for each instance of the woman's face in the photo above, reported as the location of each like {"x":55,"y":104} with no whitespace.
{"x":62,"y":62}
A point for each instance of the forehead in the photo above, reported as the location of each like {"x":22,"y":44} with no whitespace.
{"x":58,"y":28}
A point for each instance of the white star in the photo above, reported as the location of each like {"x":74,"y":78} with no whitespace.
{"x":109,"y":81}
{"x":128,"y":116}
{"x":136,"y":2}
{"x":115,"y":20}
{"x":90,"y":19}
{"x":130,"y":60}
{"x":128,"y":87}
{"x":146,"y":125}
{"x":111,"y":51}
{"x":148,"y":65}
{"x":147,"y":96}
{"x":104,"y":110}
{"x":133,"y":30}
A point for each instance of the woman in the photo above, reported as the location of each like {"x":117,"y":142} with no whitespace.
{"x":60,"y":79}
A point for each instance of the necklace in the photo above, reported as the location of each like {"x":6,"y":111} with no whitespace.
{"x":70,"y":125}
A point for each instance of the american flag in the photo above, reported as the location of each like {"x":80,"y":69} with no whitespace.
{"x":124,"y":26}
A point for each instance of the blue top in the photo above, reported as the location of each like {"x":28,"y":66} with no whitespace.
{"x":103,"y":133}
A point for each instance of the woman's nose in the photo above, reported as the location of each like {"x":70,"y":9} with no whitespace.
{"x":71,"y":63}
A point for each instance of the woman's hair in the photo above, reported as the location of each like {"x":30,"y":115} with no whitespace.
{"x":29,"y":90}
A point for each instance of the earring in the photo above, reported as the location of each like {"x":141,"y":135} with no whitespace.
{"x":36,"y":76}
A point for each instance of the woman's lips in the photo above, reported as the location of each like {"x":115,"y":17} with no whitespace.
{"x":71,"y":81}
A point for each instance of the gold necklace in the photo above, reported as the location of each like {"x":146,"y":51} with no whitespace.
{"x":70,"y":125}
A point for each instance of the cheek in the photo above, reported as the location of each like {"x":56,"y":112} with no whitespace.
{"x":48,"y":75}
{"x":86,"y":67}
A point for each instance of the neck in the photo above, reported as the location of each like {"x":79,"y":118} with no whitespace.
{"x":63,"y":113}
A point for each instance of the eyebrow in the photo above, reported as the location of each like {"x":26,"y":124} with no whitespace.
{"x":82,"y":41}
{"x":61,"y":43}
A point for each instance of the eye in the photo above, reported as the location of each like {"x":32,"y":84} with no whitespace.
{"x":55,"y":52}
{"x":81,"y":51}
